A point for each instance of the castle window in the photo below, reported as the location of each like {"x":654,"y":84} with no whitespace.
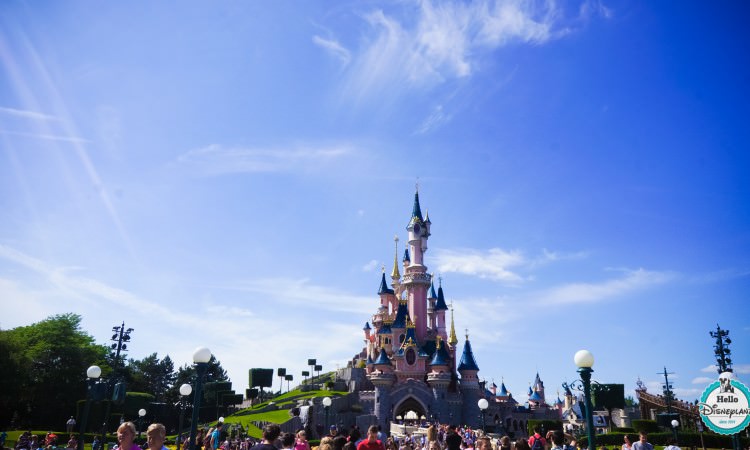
{"x":411,"y":357}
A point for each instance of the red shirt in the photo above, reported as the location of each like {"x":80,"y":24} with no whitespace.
{"x":370,"y":445}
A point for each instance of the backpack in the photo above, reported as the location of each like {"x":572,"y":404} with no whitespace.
{"x":537,"y":445}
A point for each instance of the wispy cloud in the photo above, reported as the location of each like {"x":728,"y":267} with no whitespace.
{"x":631,"y":280}
{"x":436,"y":118}
{"x":370,"y":266}
{"x":494,"y":263}
{"x":710,"y":368}
{"x":702,"y":380}
{"x":216,"y":159}
{"x":741,"y":368}
{"x":334,"y":48}
{"x":433,"y":42}
{"x":302,"y":293}
{"x":25,"y":114}
{"x":47,"y":137}
{"x":497,"y":264}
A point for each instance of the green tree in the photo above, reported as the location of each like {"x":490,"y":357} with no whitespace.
{"x":152,"y":375}
{"x":46,"y":370}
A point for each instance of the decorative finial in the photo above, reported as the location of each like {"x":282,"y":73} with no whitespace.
{"x":467,"y":333}
{"x":382,"y":268}
{"x":440,"y":284}
{"x":416,"y":185}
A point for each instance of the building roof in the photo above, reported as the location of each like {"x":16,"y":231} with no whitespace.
{"x":402,"y":313}
{"x":367,"y":326}
{"x":416,"y":212}
{"x":432,"y":291}
{"x":467,"y":358}
{"x":406,"y":254}
{"x":384,"y":289}
{"x":503,"y":391}
{"x":382,"y":358}
{"x":440,"y":304}
{"x":535,"y":397}
{"x":440,"y":357}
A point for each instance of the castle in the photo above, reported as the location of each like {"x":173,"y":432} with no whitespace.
{"x":410,"y":361}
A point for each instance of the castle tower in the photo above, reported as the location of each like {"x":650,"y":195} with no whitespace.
{"x":439,"y":378}
{"x":539,"y":387}
{"x":416,"y":280}
{"x":469,"y":385}
{"x":431,"y":300}
{"x":440,"y":308}
{"x":382,"y":378}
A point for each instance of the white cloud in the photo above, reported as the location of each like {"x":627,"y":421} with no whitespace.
{"x":47,"y":137}
{"x":216,"y":159}
{"x":436,"y":118}
{"x":370,"y":266}
{"x":741,"y":368}
{"x":703,"y":380}
{"x":334,"y":48}
{"x":302,"y":293}
{"x":493,"y":264}
{"x":33,"y":115}
{"x":632,"y":280}
{"x":710,"y":368}
{"x":439,"y":41}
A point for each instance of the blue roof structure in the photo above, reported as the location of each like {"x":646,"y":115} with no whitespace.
{"x":385,"y":329}
{"x":402,"y":313}
{"x":535,"y":397}
{"x":432,"y":291}
{"x":382,"y":358}
{"x":416,"y":210}
{"x":406,"y":255}
{"x":503,"y":391}
{"x":384,"y":289}
{"x":467,"y":358}
{"x":440,"y":304}
{"x":440,"y":357}
{"x":369,"y":360}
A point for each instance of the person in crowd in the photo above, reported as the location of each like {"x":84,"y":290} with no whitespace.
{"x":672,"y":445}
{"x":271,"y":432}
{"x":558,"y":440}
{"x":72,"y":442}
{"x":627,"y":445}
{"x":339,"y":442}
{"x":434,"y":445}
{"x":70,"y":424}
{"x":301,"y":442}
{"x":34,"y":444}
{"x":95,"y":443}
{"x":216,"y":436}
{"x":287,"y":441}
{"x":573,"y":445}
{"x":372,"y":442}
{"x":390,"y":444}
{"x":522,"y":444}
{"x":483,"y":443}
{"x":642,"y":443}
{"x":453,"y":439}
{"x":156,"y":434}
{"x":536,"y":441}
{"x":126,"y":436}
{"x":504,"y":443}
{"x":326,"y":443}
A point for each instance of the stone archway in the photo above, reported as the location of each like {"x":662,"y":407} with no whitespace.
{"x":412,"y":407}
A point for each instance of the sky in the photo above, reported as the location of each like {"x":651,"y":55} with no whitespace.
{"x":232,"y":175}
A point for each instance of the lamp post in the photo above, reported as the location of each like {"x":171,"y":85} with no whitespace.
{"x":483,"y":404}
{"x":327,"y":406}
{"x":185,"y":390}
{"x":699,"y":425}
{"x":584,"y":360}
{"x":675,"y":424}
{"x":93,"y":373}
{"x":141,"y":413}
{"x":201,"y":357}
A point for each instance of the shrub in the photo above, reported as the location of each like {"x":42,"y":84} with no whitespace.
{"x":649,"y":426}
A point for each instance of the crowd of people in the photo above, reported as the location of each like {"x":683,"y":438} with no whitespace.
{"x":436,"y":437}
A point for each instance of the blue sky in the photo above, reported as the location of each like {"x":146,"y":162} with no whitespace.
{"x":232,"y":175}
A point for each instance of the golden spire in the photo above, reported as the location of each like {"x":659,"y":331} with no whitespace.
{"x":452,"y":340}
{"x":395,"y":273}
{"x":440,"y":339}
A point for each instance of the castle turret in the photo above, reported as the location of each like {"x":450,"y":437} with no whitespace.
{"x":439,"y":378}
{"x":382,"y":378}
{"x":469,"y":385}
{"x":416,"y":280}
{"x":440,"y":308}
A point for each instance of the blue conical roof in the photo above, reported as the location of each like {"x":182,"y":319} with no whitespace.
{"x":467,"y":358}
{"x":440,"y":357}
{"x":382,"y":358}
{"x":401,"y":314}
{"x":367,"y":326}
{"x":384,"y":289}
{"x":503,"y":391}
{"x":369,"y":359}
{"x":385,"y":329}
{"x":416,"y":210}
{"x":432,"y":291}
{"x":531,"y":391}
{"x":535,"y":397}
{"x":440,"y":304}
{"x":406,"y":255}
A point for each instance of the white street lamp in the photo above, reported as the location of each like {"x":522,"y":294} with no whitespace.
{"x":483,"y":405}
{"x":327,"y":405}
{"x":584,"y":360}
{"x":201,"y":357}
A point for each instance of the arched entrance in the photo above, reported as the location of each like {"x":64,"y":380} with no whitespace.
{"x":410,"y":411}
